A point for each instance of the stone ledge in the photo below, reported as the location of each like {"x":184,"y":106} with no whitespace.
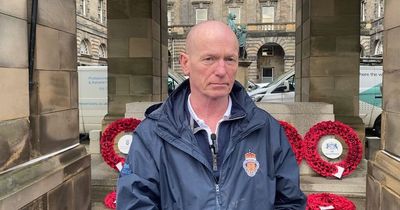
{"x":24,"y":185}
{"x":352,"y":187}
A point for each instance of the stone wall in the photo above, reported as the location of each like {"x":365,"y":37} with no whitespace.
{"x":383,"y":183}
{"x":137,"y":54}
{"x":14,"y":90}
{"x":41,"y":164}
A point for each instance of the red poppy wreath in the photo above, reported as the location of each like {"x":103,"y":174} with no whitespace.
{"x":329,"y":169}
{"x":108,"y":136}
{"x":110,"y":200}
{"x":295,"y":140}
{"x":319,"y":201}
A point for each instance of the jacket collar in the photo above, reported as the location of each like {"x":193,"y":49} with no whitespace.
{"x":173,"y":117}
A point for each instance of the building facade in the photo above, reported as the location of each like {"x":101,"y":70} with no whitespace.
{"x":371,"y":36}
{"x":271,"y":30}
{"x":91,"y":18}
{"x":270,"y":35}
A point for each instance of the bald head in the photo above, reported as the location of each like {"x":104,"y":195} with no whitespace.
{"x":208,"y":30}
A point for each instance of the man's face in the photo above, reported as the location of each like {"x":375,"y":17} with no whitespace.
{"x":211,"y":64}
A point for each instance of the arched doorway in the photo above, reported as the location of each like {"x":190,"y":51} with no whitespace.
{"x":270,"y":62}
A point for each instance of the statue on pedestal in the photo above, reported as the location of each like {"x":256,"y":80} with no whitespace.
{"x":241,"y":34}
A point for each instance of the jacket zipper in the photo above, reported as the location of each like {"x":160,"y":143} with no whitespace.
{"x":214,"y":151}
{"x":217,"y":197}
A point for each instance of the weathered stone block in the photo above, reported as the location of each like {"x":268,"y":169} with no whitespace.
{"x":58,"y":14}
{"x":68,"y":58}
{"x":62,"y":197}
{"x":323,"y":8}
{"x":391,"y":49}
{"x":374,"y":191}
{"x":141,"y":85}
{"x":391,"y":91}
{"x":14,"y":143}
{"x":385,"y":170}
{"x":328,"y":66}
{"x":140,"y":9}
{"x":346,"y":8}
{"x":57,"y":130}
{"x":136,"y":66}
{"x":27,"y":184}
{"x":13,"y":41}
{"x":391,"y":15}
{"x":74,"y":100}
{"x":118,"y":47}
{"x":16,"y":8}
{"x":157,"y":86}
{"x":126,"y":28}
{"x":47,"y":48}
{"x":335,"y":25}
{"x":15,"y":103}
{"x":82,"y":189}
{"x":54,"y":91}
{"x":391,"y":133}
{"x":140,"y":47}
{"x":390,"y":200}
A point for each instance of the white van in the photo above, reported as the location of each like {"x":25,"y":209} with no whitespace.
{"x":93,"y":97}
{"x":282,"y":90}
{"x":371,"y":96}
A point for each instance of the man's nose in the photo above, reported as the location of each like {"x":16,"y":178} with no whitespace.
{"x":221,"y":67}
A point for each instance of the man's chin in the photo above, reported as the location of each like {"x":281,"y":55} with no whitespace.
{"x":218,"y":94}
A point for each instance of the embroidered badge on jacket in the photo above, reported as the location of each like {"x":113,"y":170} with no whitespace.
{"x":250,"y":164}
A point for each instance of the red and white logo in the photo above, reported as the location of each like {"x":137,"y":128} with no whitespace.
{"x":250,"y":164}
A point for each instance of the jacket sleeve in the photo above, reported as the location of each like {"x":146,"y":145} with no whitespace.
{"x":138,"y":183}
{"x":288,"y":192}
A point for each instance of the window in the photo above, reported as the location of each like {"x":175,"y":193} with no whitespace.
{"x":102,"y":51}
{"x":363,"y":10}
{"x":84,"y":47}
{"x":236,"y":12}
{"x":380,"y":8}
{"x":267,"y":51}
{"x":379,"y":48}
{"x":82,"y":5}
{"x":169,"y":16}
{"x":101,"y":11}
{"x":268,"y":14}
{"x":201,"y":15}
{"x":267,"y":73}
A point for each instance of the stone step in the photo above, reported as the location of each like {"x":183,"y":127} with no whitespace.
{"x":104,"y":178}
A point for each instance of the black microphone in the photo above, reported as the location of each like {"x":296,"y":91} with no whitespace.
{"x":214,"y":143}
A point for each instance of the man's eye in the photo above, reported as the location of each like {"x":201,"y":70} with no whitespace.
{"x":208,"y":60}
{"x":230,"y":60}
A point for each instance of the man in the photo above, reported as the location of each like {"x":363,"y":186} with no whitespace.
{"x":208,"y":146}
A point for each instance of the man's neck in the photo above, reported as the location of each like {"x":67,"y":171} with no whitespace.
{"x":210,"y":110}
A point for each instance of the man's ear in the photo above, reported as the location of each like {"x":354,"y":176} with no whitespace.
{"x":184,"y":61}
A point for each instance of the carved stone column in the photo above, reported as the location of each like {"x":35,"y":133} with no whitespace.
{"x":137,"y":54}
{"x":242,"y":72}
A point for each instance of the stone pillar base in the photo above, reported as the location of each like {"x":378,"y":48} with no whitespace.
{"x":242,"y":72}
{"x":383,"y":182}
{"x":61,"y":181}
{"x":109,"y":118}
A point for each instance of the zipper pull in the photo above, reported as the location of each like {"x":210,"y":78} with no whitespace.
{"x":213,"y":145}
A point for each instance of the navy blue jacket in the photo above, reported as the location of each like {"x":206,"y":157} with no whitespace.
{"x":166,"y":169}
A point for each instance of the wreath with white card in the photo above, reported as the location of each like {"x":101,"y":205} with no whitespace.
{"x":334,"y":129}
{"x":107,"y":141}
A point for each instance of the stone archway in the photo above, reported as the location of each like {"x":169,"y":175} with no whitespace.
{"x":270,"y":62}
